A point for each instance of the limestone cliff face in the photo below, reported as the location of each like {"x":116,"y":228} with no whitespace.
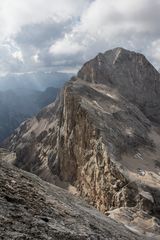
{"x":95,"y":132}
{"x":100,"y":135}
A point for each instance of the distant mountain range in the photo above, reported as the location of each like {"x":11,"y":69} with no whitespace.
{"x":23,"y":95}
{"x":18,"y":105}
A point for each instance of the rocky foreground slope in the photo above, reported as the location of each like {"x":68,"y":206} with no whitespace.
{"x":33,"y":209}
{"x":103,"y":136}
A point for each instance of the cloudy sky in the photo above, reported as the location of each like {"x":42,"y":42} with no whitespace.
{"x":62,"y":34}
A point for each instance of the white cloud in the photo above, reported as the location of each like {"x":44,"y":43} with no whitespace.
{"x":17,"y":13}
{"x":66,"y":46}
{"x":111,"y":17}
{"x":36,"y":58}
{"x":18,"y":55}
{"x":132,"y":24}
{"x":154,"y":51}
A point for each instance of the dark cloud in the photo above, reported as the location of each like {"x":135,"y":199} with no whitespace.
{"x":42,"y":34}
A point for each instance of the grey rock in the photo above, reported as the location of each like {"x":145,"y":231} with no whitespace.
{"x":33,"y":209}
{"x":130,"y":74}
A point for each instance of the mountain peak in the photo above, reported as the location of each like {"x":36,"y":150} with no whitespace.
{"x":108,"y":59}
{"x":129,"y":73}
{"x":123,"y":54}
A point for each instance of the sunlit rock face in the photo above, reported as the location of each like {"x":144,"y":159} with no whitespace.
{"x":102,"y":135}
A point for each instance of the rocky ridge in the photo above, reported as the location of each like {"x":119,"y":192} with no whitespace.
{"x":102,"y":135}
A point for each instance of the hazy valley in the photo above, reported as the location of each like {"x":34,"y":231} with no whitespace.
{"x":24,"y":95}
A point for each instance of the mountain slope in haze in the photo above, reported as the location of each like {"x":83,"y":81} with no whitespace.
{"x":23,"y":95}
{"x":18,"y":105}
{"x":102,"y":135}
{"x":33,"y":209}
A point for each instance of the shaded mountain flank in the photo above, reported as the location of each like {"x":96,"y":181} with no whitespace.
{"x":102,"y":136}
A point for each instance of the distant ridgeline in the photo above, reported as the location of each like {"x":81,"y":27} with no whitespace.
{"x":15,"y":107}
{"x":23,"y":95}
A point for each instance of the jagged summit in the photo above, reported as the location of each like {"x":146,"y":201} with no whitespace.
{"x":115,"y":56}
{"x":122,"y":62}
{"x":130,"y":74}
{"x":119,"y":51}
